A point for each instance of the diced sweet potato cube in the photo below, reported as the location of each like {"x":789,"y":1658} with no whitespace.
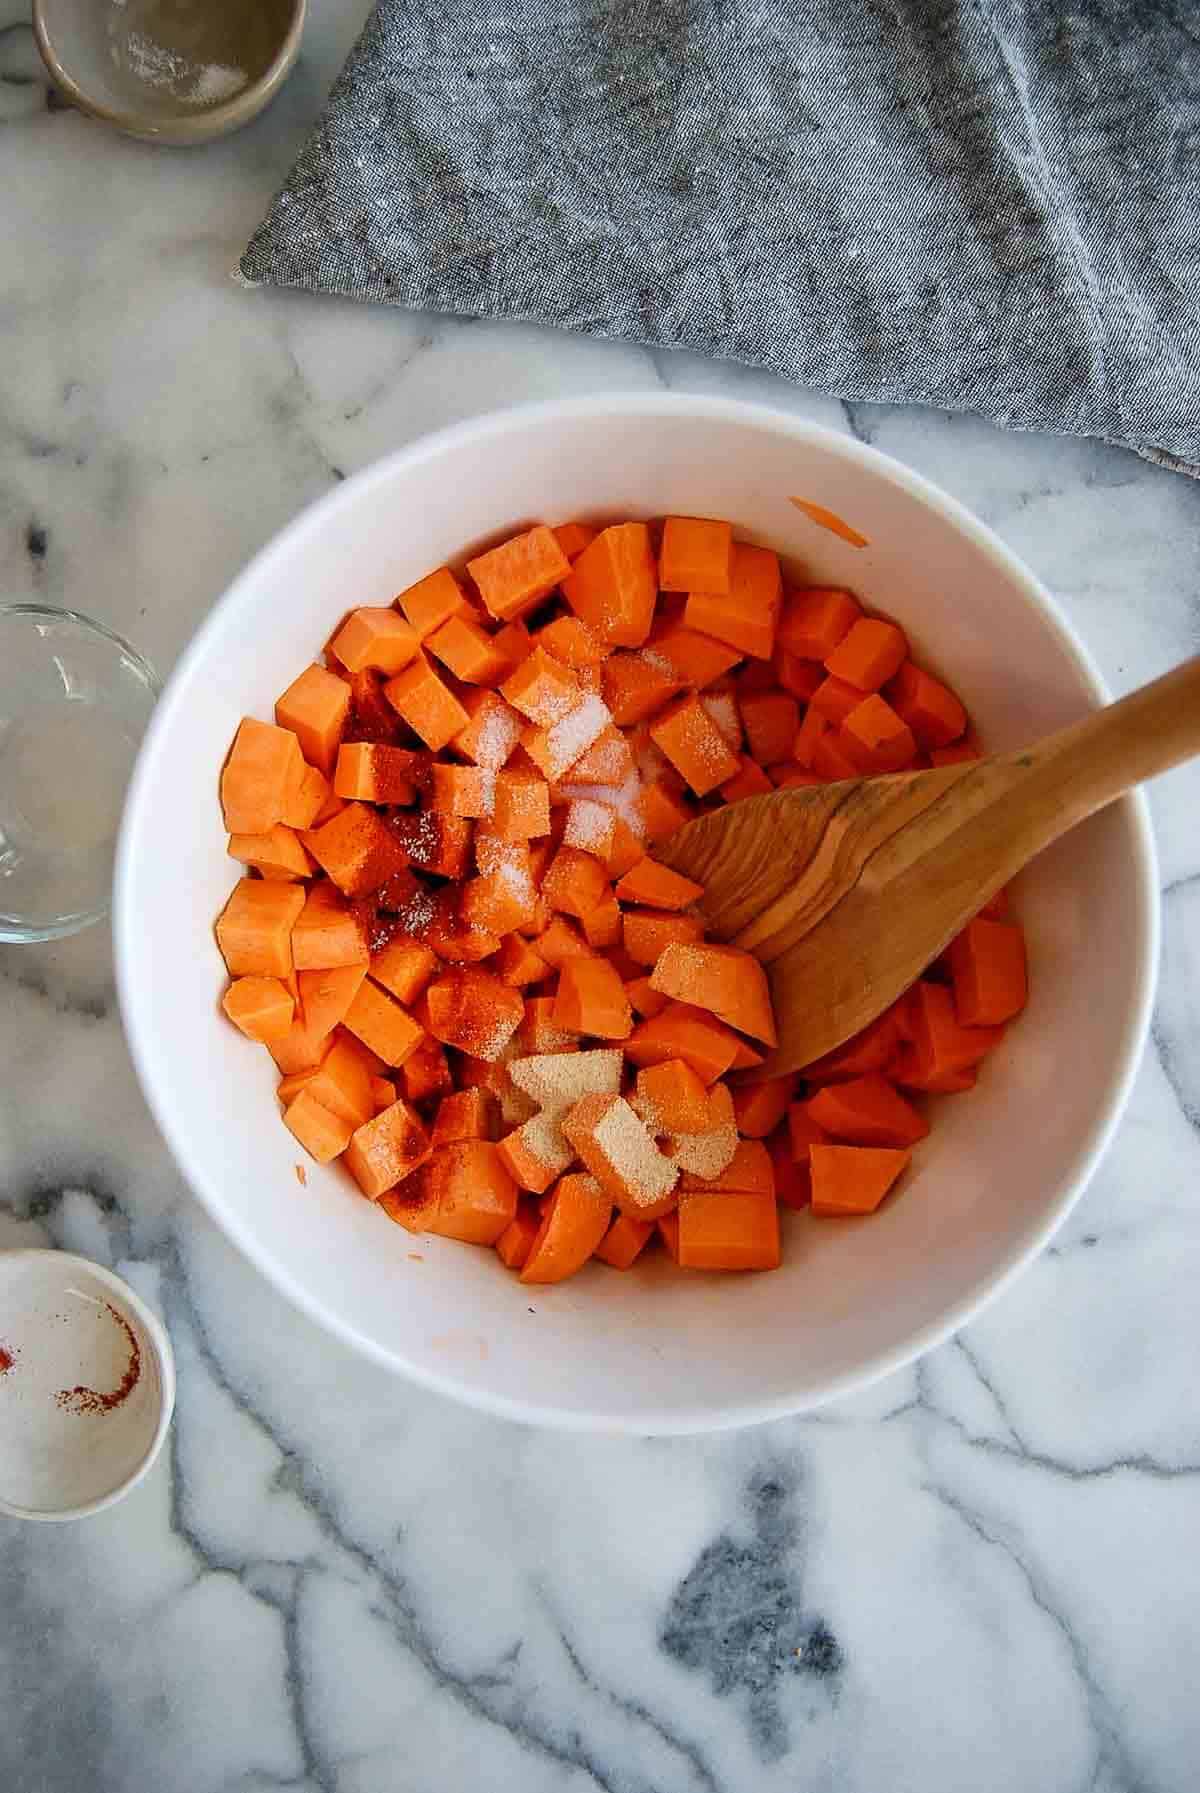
{"x":432,"y":601}
{"x":608,"y":761}
{"x":816,"y":619}
{"x":450,"y":935}
{"x":404,"y":967}
{"x":254,"y":930}
{"x":521,"y":807}
{"x":644,"y":1000}
{"x":474,"y":1011}
{"x":536,"y":1152}
{"x":637,"y":685}
{"x":497,"y":902}
{"x":704,"y":1157}
{"x":465,"y":1114}
{"x":724,"y":979}
{"x":476,"y":1197}
{"x":591,"y":999}
{"x":987,"y":964}
{"x":931,"y":710}
{"x":315,"y":707}
{"x":375,"y":772}
{"x":519,"y":964}
{"x":760,"y":1107}
{"x":386,"y":1149}
{"x":377,"y":640}
{"x":383,"y":1093}
{"x":621,"y":1154}
{"x":602,"y":925}
{"x":260,"y":1007}
{"x":556,"y":750}
{"x":309,"y":795}
{"x":428,"y":705}
{"x":591,"y":827}
{"x":435,"y":842}
{"x":425,"y":1072}
{"x":520,"y":572}
{"x":867,"y":1111}
{"x":342,"y":1082}
{"x":468,"y":791}
{"x":770,"y":719}
{"x":613,"y":585}
{"x":574,"y":1222}
{"x":695,"y":659}
{"x":516,"y":1241}
{"x":682,"y":1031}
{"x":537,"y":1031}
{"x":664,"y":808}
{"x":649,"y":932}
{"x":542,"y":690}
{"x":695,"y":746}
{"x":560,"y":940}
{"x":696,"y":555}
{"x":492,"y":730}
{"x":264,"y":764}
{"x":324,"y":1136}
{"x":658,"y":887}
{"x":571,"y":643}
{"x":327,"y":932}
{"x":853,"y":1179}
{"x":383,"y":1024}
{"x":747,"y":616}
{"x":729,"y":1230}
{"x":876,"y":738}
{"x":468,"y":651}
{"x":749,"y":1168}
{"x":556,"y":1082}
{"x":357,"y":849}
{"x":625,"y":1239}
{"x":673,"y":1099}
{"x":574,"y":882}
{"x":276,"y":855}
{"x":573,"y":538}
{"x":326,"y":995}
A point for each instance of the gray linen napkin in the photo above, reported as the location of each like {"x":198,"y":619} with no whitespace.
{"x":984,"y":205}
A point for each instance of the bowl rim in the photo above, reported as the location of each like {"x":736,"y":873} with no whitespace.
{"x":178,"y":129}
{"x":693,"y":1417}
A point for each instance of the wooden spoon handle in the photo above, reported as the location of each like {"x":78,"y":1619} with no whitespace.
{"x":1083,"y":767}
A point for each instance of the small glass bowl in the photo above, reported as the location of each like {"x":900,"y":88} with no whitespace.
{"x":74,"y":703}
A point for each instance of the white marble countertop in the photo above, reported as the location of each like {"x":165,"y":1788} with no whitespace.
{"x":985,"y":1574}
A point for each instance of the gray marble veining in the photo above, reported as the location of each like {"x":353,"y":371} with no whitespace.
{"x":983,"y":1574}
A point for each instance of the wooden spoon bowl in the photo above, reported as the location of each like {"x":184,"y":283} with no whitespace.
{"x":847,"y":892}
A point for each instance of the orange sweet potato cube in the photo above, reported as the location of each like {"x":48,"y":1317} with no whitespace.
{"x":435,"y":841}
{"x":327,"y":932}
{"x":357,"y":849}
{"x":570,"y":642}
{"x":278,"y":854}
{"x":465,"y":1114}
{"x":432,"y":601}
{"x":519,"y":964}
{"x":254,"y":930}
{"x":726,"y":980}
{"x":468,"y":791}
{"x":476,"y":1196}
{"x":492,"y":731}
{"x":375,"y":640}
{"x":520,"y":572}
{"x":386,"y":1149}
{"x":536,"y":1152}
{"x":591,"y":999}
{"x":383,"y":1024}
{"x":468,"y":651}
{"x":315,"y":707}
{"x":310,"y":793}
{"x":673,"y":1099}
{"x":747,"y":617}
{"x":324,"y":1136}
{"x":342,"y":1081}
{"x":556,"y":750}
{"x":473,"y":1011}
{"x":574,"y":882}
{"x":542,"y":689}
{"x":497,"y":902}
{"x":374,"y":772}
{"x":695,"y":555}
{"x":613,"y":585}
{"x":664,"y":808}
{"x":729,"y":1230}
{"x":521,"y":810}
{"x":636,"y":686}
{"x":425,"y":1072}
{"x":325,"y":995}
{"x":695,"y":746}
{"x":682,"y":1031}
{"x":260,"y":1007}
{"x":573,"y":538}
{"x":264,"y":765}
{"x":428,"y":706}
{"x":649,"y":932}
{"x":622,"y":1156}
{"x":404,"y":967}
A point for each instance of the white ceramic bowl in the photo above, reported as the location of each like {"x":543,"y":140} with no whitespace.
{"x":650,"y":1351}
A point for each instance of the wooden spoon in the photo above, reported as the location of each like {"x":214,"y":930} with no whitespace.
{"x":846,"y":892}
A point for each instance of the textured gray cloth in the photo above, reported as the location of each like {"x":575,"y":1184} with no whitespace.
{"x":985,"y":205}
